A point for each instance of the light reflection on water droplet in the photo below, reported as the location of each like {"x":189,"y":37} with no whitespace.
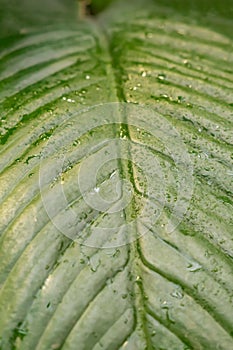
{"x":177,"y":293}
{"x":194,"y":266}
{"x":161,"y":76}
{"x":125,"y":344}
{"x":94,"y":263}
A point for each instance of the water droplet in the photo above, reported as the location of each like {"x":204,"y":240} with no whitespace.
{"x":76,"y":143}
{"x":138,"y":279}
{"x":180,"y":99}
{"x":113,"y":174}
{"x":96,"y":189}
{"x":62,"y":179}
{"x":116,"y":253}
{"x":165,"y":305}
{"x":161,"y":77}
{"x":31,"y":157}
{"x":194,"y":266}
{"x":94,"y":263}
{"x":187,"y":63}
{"x":177,"y":293}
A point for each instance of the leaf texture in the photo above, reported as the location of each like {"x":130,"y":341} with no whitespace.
{"x":165,"y":290}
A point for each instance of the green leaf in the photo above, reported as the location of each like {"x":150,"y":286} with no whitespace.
{"x":98,"y":6}
{"x":116,"y":181}
{"x":22,"y":17}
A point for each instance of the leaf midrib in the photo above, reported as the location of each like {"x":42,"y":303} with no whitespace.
{"x":115,"y":73}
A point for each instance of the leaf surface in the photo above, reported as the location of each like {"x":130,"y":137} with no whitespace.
{"x":111,"y":135}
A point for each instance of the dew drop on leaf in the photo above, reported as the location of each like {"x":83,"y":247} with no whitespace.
{"x":194,"y":266}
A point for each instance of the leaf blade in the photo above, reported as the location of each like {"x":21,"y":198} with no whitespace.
{"x":190,"y":289}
